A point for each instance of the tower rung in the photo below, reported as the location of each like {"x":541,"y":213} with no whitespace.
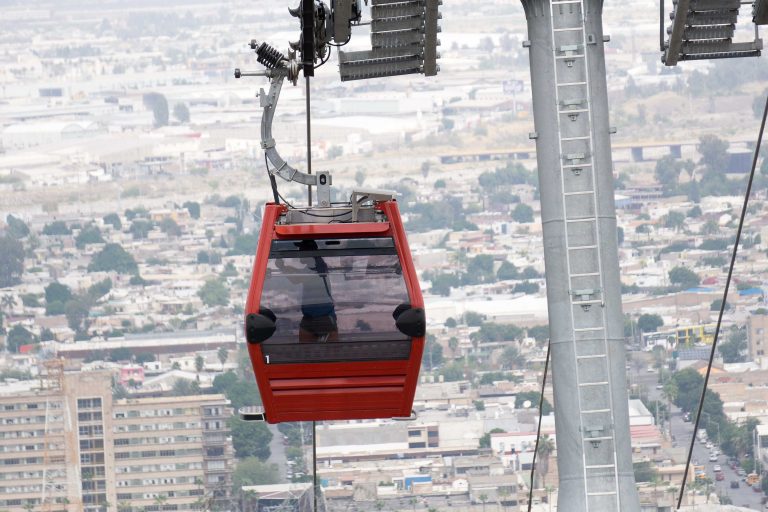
{"x":595,"y":411}
{"x":600,"y":466}
{"x":581,"y":193}
{"x":574,"y":111}
{"x":566,"y":84}
{"x":586,"y":302}
{"x":585,"y":137}
{"x":566,"y":29}
{"x":576,"y":166}
{"x":605,"y":438}
{"x":603,"y":493}
{"x":589,"y":274}
{"x":589,"y":329}
{"x":596,"y":356}
{"x":593,"y":384}
{"x":569,"y":57}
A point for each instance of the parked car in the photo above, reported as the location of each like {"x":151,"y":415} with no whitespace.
{"x":734,"y":484}
{"x":712,"y":457}
{"x":720,"y":476}
{"x":716,"y":468}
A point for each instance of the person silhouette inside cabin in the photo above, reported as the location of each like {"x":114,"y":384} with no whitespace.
{"x":318,"y":322}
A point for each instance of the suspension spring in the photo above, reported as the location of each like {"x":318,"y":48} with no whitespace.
{"x":269,"y":56}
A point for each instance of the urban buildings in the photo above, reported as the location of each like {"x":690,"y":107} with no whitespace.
{"x":69,"y":445}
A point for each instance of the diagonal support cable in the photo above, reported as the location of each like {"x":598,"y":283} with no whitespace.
{"x":538,"y":428}
{"x":724,"y":301}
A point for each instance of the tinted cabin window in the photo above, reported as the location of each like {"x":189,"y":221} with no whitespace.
{"x":333,"y":300}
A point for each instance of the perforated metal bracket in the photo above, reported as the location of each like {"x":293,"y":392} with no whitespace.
{"x":252,"y":413}
{"x":412,"y":417}
{"x":359,"y":196}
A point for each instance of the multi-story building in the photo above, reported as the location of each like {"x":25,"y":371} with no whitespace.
{"x":757,"y":339}
{"x":68,"y":446}
{"x":171,"y":452}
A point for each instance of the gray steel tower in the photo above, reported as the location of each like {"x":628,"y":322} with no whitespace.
{"x":570,"y":104}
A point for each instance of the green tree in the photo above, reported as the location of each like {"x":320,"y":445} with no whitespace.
{"x":667,"y":172}
{"x":539,"y":332}
{"x":649,"y":323}
{"x":169,"y":227}
{"x":90,"y":234}
{"x":99,"y":290}
{"x":159,"y":106}
{"x":543,"y":454}
{"x":684,"y":278}
{"x":732,"y":351}
{"x":193,"y":208}
{"x":644,"y":471}
{"x":480,"y":269}
{"x":250,"y":439}
{"x":57,"y":228}
{"x":485,"y":439}
{"x":214,"y":293}
{"x":199,"y":363}
{"x":451,"y":323}
{"x":511,"y":358}
{"x":534,"y":397}
{"x":222,"y":354}
{"x":473,"y":319}
{"x":507,"y":271}
{"x":244,"y":245}
{"x":522,"y":213}
{"x":252,"y":471}
{"x":77,"y":310}
{"x":182,"y":387}
{"x":18,"y":336}
{"x":433,"y":354}
{"x":140,"y":228}
{"x":56,"y":295}
{"x":11,"y":261}
{"x":17,"y":228}
{"x":710,"y":227}
{"x":490,"y":332}
{"x":674,"y":220}
{"x":526,"y":287}
{"x":30,"y":300}
{"x":714,"y":155}
{"x":113,"y":219}
{"x":181,"y":113}
{"x":113,"y":258}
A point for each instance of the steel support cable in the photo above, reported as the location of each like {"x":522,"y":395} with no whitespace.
{"x":724,"y":301}
{"x":309,"y":145}
{"x":314,"y":465}
{"x":538,"y":427}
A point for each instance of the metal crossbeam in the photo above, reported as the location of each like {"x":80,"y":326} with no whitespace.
{"x":704,"y":29}
{"x":760,"y":12}
{"x":403,"y":41}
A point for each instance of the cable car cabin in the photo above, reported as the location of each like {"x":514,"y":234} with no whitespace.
{"x":334,"y":318}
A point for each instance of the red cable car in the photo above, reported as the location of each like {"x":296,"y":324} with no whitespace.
{"x":334,"y":318}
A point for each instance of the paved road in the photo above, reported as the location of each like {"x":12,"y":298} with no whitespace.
{"x":683,"y":431}
{"x":277,"y":450}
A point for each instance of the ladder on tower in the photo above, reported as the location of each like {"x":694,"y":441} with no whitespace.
{"x":583,"y":254}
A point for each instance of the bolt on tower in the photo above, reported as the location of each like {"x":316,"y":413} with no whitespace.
{"x":570,"y":104}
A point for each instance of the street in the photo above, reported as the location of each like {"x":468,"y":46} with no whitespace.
{"x":682,"y":433}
